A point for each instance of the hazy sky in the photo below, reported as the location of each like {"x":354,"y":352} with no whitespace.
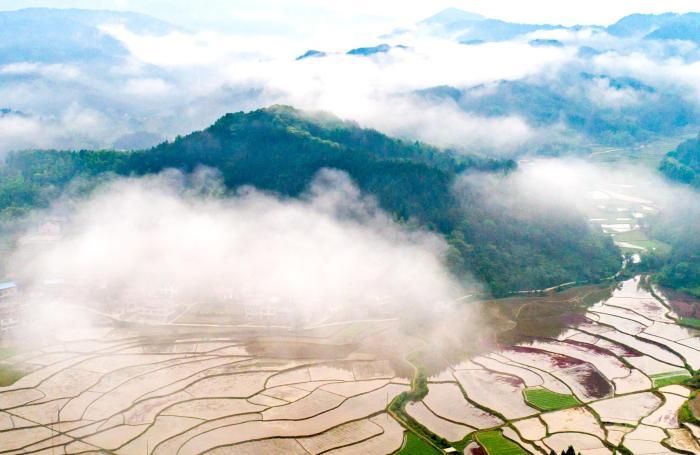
{"x":241,"y":56}
{"x":312,"y":15}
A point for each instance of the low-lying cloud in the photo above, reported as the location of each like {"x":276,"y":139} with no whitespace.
{"x":575,"y":188}
{"x":331,"y":252}
{"x":74,"y":127}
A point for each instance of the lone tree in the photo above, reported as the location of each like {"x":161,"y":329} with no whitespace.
{"x":569,"y":451}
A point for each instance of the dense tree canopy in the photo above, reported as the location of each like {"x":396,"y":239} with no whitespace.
{"x":680,"y":268}
{"x":280,"y":149}
{"x":683,"y":164}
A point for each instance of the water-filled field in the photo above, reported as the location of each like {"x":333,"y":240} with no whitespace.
{"x":594,"y":367}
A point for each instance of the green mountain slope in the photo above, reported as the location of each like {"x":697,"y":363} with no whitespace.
{"x":565,"y":102}
{"x":683,"y":164}
{"x":680,"y":268}
{"x":280,"y":149}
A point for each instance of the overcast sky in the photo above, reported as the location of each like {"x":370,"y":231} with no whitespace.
{"x":241,"y":56}
{"x":311,"y":16}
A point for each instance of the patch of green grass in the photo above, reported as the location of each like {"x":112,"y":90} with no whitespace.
{"x":413,"y":445}
{"x":546,"y":400}
{"x":496,"y":444}
{"x":690,"y":322}
{"x":9,"y":375}
{"x":674,"y":377}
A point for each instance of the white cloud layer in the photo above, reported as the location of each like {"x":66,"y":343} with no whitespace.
{"x":370,"y":90}
{"x":333,"y":249}
{"x":73,"y":127}
{"x":178,"y":82}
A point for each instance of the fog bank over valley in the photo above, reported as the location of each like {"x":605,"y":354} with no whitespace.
{"x":324,"y":228}
{"x":330,"y":255}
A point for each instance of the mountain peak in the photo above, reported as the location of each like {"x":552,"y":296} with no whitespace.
{"x":378,"y":49}
{"x":452,"y":15}
{"x":311,"y":53}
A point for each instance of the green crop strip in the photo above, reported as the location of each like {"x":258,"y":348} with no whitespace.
{"x":664,"y":379}
{"x":496,"y":444}
{"x":413,"y":445}
{"x":546,"y":400}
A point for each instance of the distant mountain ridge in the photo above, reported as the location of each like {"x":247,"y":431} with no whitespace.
{"x":666,"y":26}
{"x":451,"y":16}
{"x":48,"y":35}
{"x":311,"y":53}
{"x":552,"y":103}
{"x":137,"y":22}
{"x":470,"y":27}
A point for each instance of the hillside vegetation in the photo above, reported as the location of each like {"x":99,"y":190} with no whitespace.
{"x":571,"y":102}
{"x":280,"y":149}
{"x":680,"y":268}
{"x":683,"y":163}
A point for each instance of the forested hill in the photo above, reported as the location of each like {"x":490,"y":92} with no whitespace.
{"x":680,"y":268}
{"x":280,"y":149}
{"x":683,"y":164}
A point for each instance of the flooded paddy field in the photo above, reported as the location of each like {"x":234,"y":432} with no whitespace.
{"x":594,"y":367}
{"x":118,"y":390}
{"x":597,"y":367}
{"x":623,"y":210}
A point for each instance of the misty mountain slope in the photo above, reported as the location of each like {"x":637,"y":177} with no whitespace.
{"x":603,"y":109}
{"x":683,"y":163}
{"x":68,"y":35}
{"x":280,"y":149}
{"x":470,"y":27}
{"x":639,"y":24}
{"x":679,"y":266}
{"x":667,"y":26}
{"x":452,"y":17}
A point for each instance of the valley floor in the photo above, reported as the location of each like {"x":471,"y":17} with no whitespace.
{"x":604,"y":377}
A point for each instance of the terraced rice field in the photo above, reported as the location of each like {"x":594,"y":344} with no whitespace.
{"x":413,"y":445}
{"x":594,"y":368}
{"x":496,"y":444}
{"x":122,"y":392}
{"x":664,"y":379}
{"x":690,"y":322}
{"x":605,"y":378}
{"x":546,"y":400}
